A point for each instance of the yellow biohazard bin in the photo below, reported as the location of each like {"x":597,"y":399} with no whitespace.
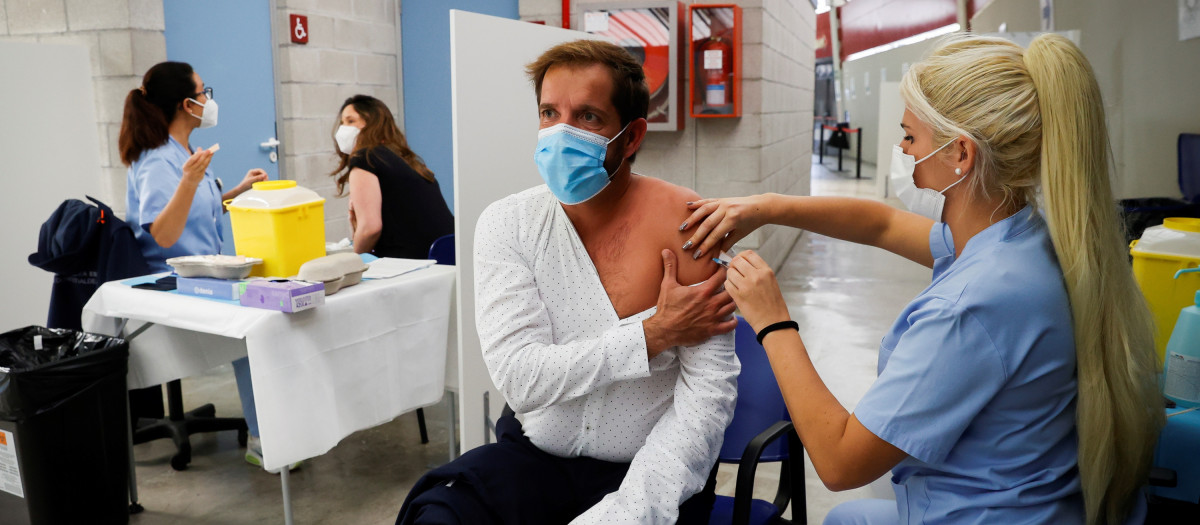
{"x":279,"y":222}
{"x":1157,"y":256}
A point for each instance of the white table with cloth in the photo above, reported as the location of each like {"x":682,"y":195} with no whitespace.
{"x":373,"y":351}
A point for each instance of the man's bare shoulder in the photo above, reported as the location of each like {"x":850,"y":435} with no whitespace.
{"x":666,"y":201}
{"x":668,"y":192}
{"x":666,"y":204}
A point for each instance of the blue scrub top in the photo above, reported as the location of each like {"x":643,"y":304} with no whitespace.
{"x":150,"y":183}
{"x":977,"y":384}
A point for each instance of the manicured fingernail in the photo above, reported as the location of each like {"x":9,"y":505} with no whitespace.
{"x":687,"y":245}
{"x":689,"y":204}
{"x":697,"y":254}
{"x":683,"y":227}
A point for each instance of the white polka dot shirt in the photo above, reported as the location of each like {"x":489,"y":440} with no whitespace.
{"x":559,"y":354}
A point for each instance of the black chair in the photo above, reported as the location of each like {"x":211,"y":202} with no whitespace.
{"x":1164,"y":510}
{"x":761,"y":431}
{"x":178,"y":425}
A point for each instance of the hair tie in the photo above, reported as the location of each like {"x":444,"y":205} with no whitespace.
{"x":142,"y":89}
{"x":782,"y":325}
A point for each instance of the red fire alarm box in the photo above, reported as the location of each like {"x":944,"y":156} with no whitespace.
{"x":299,"y":28}
{"x":715,"y":60}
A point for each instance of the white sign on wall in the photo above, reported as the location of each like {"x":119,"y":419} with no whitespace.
{"x":595,"y":21}
{"x":1189,"y":19}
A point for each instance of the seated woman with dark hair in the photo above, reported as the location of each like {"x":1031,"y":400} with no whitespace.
{"x":396,"y":206}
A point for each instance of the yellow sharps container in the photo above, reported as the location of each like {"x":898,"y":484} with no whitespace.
{"x":1157,"y":256}
{"x":279,"y":222}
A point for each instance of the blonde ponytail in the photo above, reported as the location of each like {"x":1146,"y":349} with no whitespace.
{"x":1119,"y":410}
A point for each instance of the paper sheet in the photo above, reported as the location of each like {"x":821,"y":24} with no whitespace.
{"x":386,"y":267}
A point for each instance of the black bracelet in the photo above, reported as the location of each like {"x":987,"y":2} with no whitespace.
{"x":777,"y":326}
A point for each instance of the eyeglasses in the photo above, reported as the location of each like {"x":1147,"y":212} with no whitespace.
{"x":208,"y":92}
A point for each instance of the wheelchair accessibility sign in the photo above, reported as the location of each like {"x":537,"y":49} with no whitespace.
{"x":299,"y":27}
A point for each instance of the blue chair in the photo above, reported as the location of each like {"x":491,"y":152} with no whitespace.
{"x":442,"y":250}
{"x":1175,"y":478}
{"x":760,"y":419}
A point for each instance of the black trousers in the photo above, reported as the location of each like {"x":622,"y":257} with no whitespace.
{"x":514,"y":482}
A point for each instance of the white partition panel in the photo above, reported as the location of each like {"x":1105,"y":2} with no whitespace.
{"x":48,"y":153}
{"x":495,"y":131}
{"x":891,"y":110}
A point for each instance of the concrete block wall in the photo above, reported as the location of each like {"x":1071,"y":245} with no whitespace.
{"x":123,"y":37}
{"x":768,"y":149}
{"x":353,"y":48}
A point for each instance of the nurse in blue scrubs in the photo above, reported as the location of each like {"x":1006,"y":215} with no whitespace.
{"x":173,"y":201}
{"x":1020,"y":386}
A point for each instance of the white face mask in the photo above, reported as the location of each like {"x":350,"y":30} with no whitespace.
{"x":209,"y":118}
{"x":921,"y":201}
{"x":346,"y":137}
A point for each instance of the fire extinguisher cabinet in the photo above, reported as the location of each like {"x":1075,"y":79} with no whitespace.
{"x":715,"y":63}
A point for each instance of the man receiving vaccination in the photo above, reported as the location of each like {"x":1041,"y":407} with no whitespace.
{"x":624,"y":377}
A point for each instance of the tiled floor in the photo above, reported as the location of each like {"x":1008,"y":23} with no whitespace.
{"x":844,"y":296}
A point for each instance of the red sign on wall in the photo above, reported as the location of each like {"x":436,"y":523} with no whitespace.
{"x":299,"y":28}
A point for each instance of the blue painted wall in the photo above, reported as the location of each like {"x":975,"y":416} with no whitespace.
{"x":425,"y":54}
{"x":206,"y":35}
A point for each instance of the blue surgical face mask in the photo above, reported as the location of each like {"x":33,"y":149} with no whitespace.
{"x":571,"y":161}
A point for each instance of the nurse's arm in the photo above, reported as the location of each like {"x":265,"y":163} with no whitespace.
{"x":168,"y":226}
{"x":367,"y":200}
{"x":252,"y":176}
{"x":844,"y":453}
{"x":862,"y":221}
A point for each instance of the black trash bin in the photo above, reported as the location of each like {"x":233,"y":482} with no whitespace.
{"x":64,"y":444}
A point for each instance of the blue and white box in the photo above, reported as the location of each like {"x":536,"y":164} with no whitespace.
{"x":228,"y":289}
